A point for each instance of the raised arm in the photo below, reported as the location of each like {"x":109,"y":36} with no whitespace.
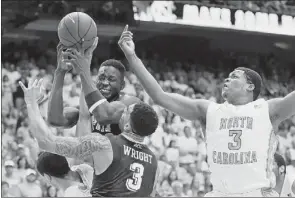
{"x":281,"y":109}
{"x":56,"y":116}
{"x":183,"y":106}
{"x":72,"y":147}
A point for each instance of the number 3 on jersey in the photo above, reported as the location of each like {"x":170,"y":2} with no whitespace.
{"x":237,"y":139}
{"x":134,"y":184}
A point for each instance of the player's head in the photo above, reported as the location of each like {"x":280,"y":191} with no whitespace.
{"x":279,"y":165}
{"x":242,"y":83}
{"x":140,"y":119}
{"x":53,"y":167}
{"x":110,"y":78}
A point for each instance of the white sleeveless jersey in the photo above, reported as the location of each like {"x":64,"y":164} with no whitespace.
{"x":81,"y":190}
{"x":240,"y":146}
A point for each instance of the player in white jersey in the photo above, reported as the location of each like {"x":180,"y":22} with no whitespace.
{"x":75,"y":181}
{"x":283,"y":185}
{"x":240,"y":133}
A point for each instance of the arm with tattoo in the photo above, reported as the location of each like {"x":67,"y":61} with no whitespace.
{"x":72,"y":147}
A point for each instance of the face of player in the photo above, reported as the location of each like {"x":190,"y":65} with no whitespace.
{"x":235,"y":86}
{"x":124,"y":123}
{"x":109,"y":81}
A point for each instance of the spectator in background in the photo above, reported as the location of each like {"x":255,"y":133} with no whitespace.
{"x":166,"y":186}
{"x":10,"y":175}
{"x":177,"y":187}
{"x":172,"y":152}
{"x":5,"y":189}
{"x":22,"y":166}
{"x":188,"y":147}
{"x":51,"y":191}
{"x":30,"y":187}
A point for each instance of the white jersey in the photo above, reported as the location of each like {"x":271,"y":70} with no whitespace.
{"x":287,"y":188}
{"x":240,"y":145}
{"x":81,"y":190}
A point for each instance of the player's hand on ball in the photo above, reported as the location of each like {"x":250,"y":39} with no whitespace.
{"x":126,"y":43}
{"x":33,"y":92}
{"x":81,"y":59}
{"x":61,"y":64}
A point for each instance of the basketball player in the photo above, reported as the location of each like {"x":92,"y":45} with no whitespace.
{"x":283,"y":186}
{"x":110,"y":81}
{"x":123,"y":165}
{"x":240,"y":133}
{"x":75,"y":181}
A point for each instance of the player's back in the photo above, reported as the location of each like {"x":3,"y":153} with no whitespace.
{"x":240,"y":146}
{"x":131,"y":174}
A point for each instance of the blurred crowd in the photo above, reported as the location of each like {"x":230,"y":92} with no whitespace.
{"x":178,"y":143}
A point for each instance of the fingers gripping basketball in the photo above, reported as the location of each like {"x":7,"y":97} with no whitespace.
{"x":77,"y":28}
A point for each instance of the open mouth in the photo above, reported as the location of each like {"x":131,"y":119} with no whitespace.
{"x":105,"y":91}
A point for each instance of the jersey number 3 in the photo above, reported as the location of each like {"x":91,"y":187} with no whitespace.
{"x":237,"y":139}
{"x":134,"y":184}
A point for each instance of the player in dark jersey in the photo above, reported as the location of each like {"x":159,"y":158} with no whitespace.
{"x":123,"y":165}
{"x":110,"y":81}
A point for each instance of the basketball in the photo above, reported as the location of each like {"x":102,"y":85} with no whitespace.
{"x":77,"y":28}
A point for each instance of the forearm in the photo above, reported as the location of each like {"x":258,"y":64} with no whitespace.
{"x":55,"y":105}
{"x":149,"y":83}
{"x":84,"y":122}
{"x":39,"y":128}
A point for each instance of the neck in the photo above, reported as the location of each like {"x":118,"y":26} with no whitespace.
{"x":133,"y":137}
{"x":113,"y":98}
{"x":241,"y":101}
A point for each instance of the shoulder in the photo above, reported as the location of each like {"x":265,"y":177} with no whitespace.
{"x":273,"y":106}
{"x":129,"y":100}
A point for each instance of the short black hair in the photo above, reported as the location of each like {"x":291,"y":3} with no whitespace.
{"x":144,"y":120}
{"x":116,"y":64}
{"x":254,"y":78}
{"x":52,"y":164}
{"x":280,"y":161}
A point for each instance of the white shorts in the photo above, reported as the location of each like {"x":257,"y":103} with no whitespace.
{"x":254,"y":193}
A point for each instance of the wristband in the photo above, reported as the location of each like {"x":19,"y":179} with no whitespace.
{"x":94,"y":97}
{"x":96,"y":105}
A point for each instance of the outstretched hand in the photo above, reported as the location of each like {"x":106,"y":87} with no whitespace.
{"x":33,"y":92}
{"x":126,"y":42}
{"x":81,"y":59}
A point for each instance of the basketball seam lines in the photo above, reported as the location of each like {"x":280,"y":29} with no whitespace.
{"x":67,"y":40}
{"x":78,"y":26}
{"x":88,"y":31}
{"x":70,"y":32}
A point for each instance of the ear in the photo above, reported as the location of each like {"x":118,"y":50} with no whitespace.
{"x":250,"y":87}
{"x":123,"y":84}
{"x":281,"y":169}
{"x":127,"y":127}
